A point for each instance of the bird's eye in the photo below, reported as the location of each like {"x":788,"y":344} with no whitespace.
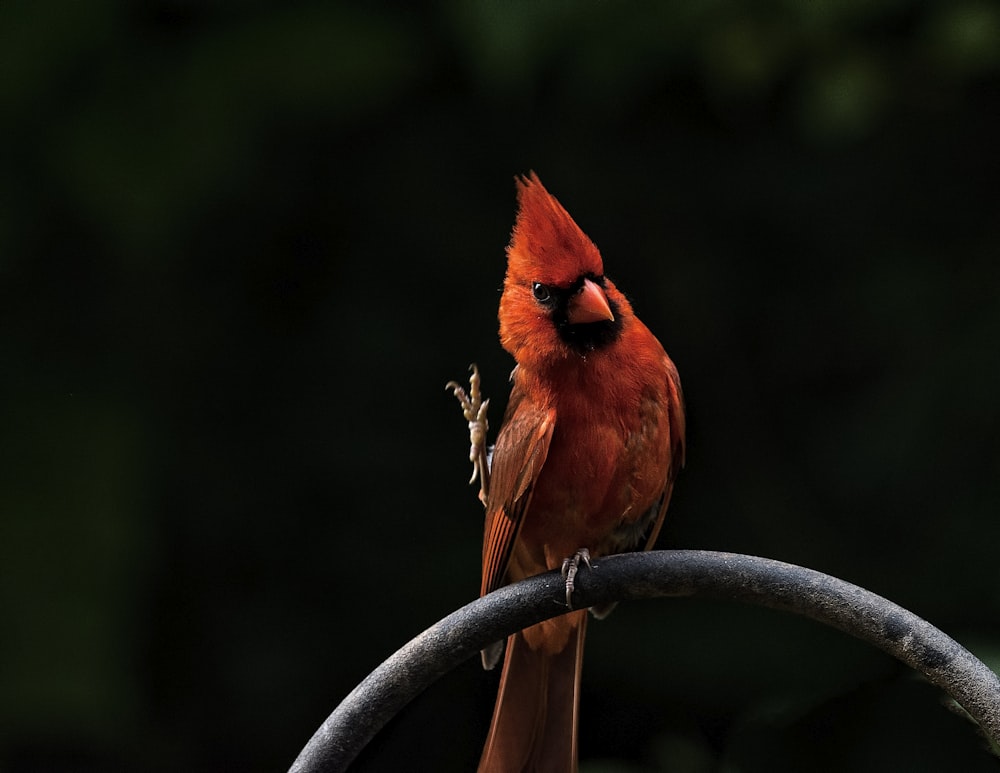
{"x":541,"y":292}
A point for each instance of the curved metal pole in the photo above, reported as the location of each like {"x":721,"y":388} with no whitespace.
{"x":754,"y":580}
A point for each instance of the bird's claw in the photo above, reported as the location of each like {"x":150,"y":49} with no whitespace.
{"x":570,"y":566}
{"x":474,"y":409}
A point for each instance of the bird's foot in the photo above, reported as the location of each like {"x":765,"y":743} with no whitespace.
{"x":474,"y":410}
{"x":570,"y":567}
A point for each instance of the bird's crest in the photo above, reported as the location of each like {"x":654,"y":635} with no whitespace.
{"x":547,"y":245}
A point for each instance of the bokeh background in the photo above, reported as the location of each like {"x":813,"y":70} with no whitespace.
{"x":244,"y":245}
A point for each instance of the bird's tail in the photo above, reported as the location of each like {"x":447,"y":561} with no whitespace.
{"x":535,"y":718}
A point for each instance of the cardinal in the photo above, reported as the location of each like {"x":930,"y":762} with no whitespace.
{"x":583,"y":465}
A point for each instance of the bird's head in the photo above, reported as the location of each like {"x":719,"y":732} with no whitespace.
{"x":556,"y":301}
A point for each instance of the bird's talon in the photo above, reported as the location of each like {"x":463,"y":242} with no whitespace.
{"x":570,"y":567}
{"x":474,"y":410}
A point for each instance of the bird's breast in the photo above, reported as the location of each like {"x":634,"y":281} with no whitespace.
{"x":603,"y":472}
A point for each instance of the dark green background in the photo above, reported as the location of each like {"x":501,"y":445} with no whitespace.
{"x":244,"y":245}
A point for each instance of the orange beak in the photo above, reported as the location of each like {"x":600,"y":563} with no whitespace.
{"x":590,"y":304}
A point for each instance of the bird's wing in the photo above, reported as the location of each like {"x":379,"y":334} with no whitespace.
{"x":676,"y":424}
{"x":520,"y":452}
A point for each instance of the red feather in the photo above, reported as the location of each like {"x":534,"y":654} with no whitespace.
{"x":586,"y":457}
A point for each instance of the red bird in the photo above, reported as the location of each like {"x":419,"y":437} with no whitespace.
{"x":583,"y":465}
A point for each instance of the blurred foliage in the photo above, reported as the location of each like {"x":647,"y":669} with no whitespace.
{"x":243,"y":246}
